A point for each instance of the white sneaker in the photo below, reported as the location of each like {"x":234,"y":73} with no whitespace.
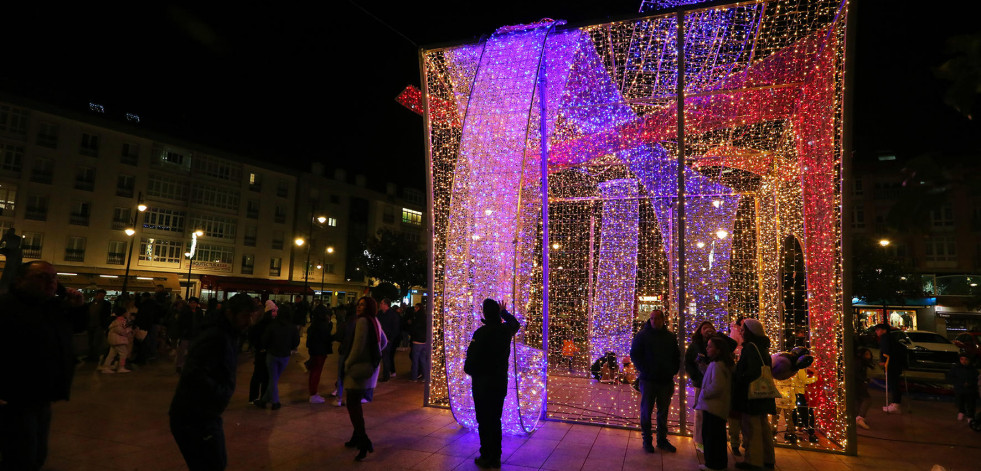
{"x":340,"y":403}
{"x":860,"y":421}
{"x":364,"y":401}
{"x":960,"y":416}
{"x":334,"y":394}
{"x":316,"y":399}
{"x":894,"y":407}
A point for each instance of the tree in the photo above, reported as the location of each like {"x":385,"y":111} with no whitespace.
{"x":878,"y":277}
{"x":392,"y":257}
{"x":963,"y":71}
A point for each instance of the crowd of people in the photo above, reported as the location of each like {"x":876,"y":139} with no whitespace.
{"x":733,"y":375}
{"x":205,"y":344}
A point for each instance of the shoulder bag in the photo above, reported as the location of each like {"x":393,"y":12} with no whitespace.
{"x":763,"y":387}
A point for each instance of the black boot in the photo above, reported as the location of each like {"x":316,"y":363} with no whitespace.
{"x":364,"y":447}
{"x":353,"y":442}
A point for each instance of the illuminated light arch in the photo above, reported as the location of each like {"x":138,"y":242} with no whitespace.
{"x":601,"y":99}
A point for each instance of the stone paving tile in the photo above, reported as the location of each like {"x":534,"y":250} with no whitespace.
{"x":119,"y":422}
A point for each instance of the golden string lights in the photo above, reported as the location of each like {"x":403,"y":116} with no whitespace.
{"x":763,"y":84}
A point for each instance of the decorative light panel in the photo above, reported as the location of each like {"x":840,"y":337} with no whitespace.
{"x":558,"y":187}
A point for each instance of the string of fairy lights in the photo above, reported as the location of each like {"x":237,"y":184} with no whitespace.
{"x":763,"y":119}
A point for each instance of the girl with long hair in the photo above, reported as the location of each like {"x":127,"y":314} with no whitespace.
{"x":714,"y":401}
{"x":361,"y":370}
{"x":695,"y":366}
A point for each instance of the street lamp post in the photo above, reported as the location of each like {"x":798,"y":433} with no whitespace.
{"x":323,"y":270}
{"x":131,"y":232}
{"x":299,"y":243}
{"x":190,"y":260}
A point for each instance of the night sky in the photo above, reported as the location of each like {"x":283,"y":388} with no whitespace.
{"x":317,"y":83}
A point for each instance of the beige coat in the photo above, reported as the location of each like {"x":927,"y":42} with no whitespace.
{"x":358,"y":372}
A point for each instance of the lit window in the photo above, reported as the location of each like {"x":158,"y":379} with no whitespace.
{"x":411,"y":217}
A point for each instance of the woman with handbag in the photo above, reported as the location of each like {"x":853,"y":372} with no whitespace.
{"x":752,"y":383}
{"x":361,"y":370}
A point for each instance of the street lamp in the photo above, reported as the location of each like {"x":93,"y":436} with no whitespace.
{"x":190,"y":257}
{"x":130,"y":232}
{"x":884,"y":242}
{"x":323,"y":270}
{"x":299,"y":243}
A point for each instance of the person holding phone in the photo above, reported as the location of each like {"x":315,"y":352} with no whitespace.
{"x":487,"y":365}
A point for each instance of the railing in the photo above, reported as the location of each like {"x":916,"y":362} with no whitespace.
{"x":252,"y":213}
{"x":247,"y":269}
{"x":87,"y":185}
{"x":78,"y":219}
{"x":274,"y":271}
{"x":36,"y":214}
{"x":74,"y":255}
{"x":250,"y":241}
{"x":31,"y":252}
{"x":124,"y":192}
{"x":42,"y":177}
{"x":116,"y":259}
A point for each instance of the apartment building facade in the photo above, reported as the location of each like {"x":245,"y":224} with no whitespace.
{"x":71,"y":184}
{"x":944,"y":248}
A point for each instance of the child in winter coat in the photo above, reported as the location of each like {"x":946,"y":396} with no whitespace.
{"x":964,"y":377}
{"x":120,"y":339}
{"x":715,"y":401}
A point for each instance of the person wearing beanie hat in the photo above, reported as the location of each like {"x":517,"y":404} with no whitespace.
{"x":271,"y":307}
{"x":755,"y":421}
{"x":754,"y":326}
{"x":487,"y":365}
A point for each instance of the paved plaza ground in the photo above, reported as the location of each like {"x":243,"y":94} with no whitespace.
{"x":119,"y":422}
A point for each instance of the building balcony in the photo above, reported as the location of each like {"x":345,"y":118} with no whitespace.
{"x":31,"y":252}
{"x":42,"y":177}
{"x":116,"y":259}
{"x":78,"y":219}
{"x":36,"y":214}
{"x":249,"y":241}
{"x":74,"y":255}
{"x":124,"y":192}
{"x":274,"y":271}
{"x":252,"y":214}
{"x":247,"y":269}
{"x":85,"y":185}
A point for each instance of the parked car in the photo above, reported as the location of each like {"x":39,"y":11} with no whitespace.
{"x":927,"y":350}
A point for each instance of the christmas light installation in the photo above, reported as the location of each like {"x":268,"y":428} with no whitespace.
{"x":547,"y":141}
{"x":611,"y":316}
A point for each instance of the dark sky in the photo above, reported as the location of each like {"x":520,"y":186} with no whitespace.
{"x":317,"y":83}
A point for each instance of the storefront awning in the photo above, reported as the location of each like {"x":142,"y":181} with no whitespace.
{"x":112,"y":280}
{"x":251,"y":285}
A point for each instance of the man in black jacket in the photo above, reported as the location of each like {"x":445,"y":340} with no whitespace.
{"x":391,"y":324}
{"x":656,"y":356}
{"x":487,"y":365}
{"x":206,"y":385}
{"x":33,"y":320}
